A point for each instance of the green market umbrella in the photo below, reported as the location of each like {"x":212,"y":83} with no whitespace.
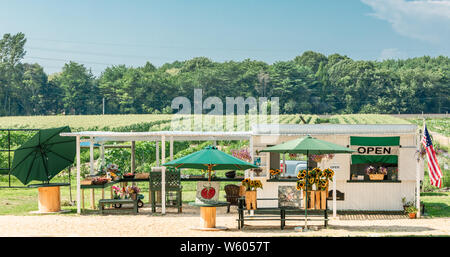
{"x":308,"y":145}
{"x":44,"y":155}
{"x":212,"y":159}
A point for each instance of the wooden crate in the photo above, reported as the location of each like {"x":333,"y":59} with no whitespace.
{"x":250,"y":200}
{"x":316,"y":199}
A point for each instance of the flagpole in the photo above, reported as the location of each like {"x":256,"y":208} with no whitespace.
{"x":418,"y":170}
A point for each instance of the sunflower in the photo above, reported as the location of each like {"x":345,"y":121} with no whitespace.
{"x":329,"y":172}
{"x":257,"y":184}
{"x":300,"y":184}
{"x":301,"y":174}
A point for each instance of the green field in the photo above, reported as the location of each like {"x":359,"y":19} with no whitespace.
{"x":151,"y":122}
{"x":19,"y":201}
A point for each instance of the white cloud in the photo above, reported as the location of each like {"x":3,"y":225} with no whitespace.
{"x":427,"y":20}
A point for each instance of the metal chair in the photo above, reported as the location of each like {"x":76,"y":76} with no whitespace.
{"x":231,"y":195}
{"x":173,"y":184}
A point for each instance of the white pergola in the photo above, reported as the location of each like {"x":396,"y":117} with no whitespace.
{"x":101,"y":137}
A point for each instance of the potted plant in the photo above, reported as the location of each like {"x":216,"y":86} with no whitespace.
{"x":411,"y":210}
{"x":133,"y":191}
{"x":257,"y":171}
{"x":275,"y":173}
{"x":250,"y":192}
{"x":394,"y":174}
{"x":375,"y":174}
{"x":116,"y":192}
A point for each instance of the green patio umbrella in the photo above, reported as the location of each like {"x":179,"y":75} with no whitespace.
{"x":212,"y":159}
{"x":44,"y":155}
{"x":308,"y":145}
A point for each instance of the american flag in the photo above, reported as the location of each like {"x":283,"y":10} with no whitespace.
{"x":433,"y":166}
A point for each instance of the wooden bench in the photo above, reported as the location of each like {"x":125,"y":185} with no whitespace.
{"x":102,"y":202}
{"x":280,"y":214}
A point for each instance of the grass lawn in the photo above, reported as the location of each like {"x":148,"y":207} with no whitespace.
{"x":437,"y":204}
{"x":21,"y":201}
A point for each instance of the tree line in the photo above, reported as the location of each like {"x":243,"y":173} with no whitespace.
{"x":311,"y":83}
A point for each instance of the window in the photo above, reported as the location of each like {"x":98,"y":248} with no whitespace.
{"x":376,"y":152}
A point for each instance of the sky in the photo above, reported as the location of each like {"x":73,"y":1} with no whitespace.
{"x":103,"y":33}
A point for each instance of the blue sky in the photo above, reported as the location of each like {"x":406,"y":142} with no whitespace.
{"x":102,"y":33}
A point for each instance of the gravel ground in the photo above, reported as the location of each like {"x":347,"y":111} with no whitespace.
{"x":175,"y":225}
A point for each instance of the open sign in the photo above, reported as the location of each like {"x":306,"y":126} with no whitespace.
{"x":376,"y":150}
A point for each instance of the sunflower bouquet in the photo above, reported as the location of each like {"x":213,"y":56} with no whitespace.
{"x":316,"y":176}
{"x":251,"y":185}
{"x":274,"y":172}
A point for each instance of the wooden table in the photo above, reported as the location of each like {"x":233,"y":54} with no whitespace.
{"x":208,"y":215}
{"x":49,"y":196}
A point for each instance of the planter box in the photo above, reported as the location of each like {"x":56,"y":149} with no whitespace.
{"x":250,"y":200}
{"x":141,"y":175}
{"x":376,"y":176}
{"x":316,"y":199}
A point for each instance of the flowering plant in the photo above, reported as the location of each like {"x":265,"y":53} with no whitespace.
{"x":320,"y":157}
{"x":133,"y":190}
{"x":371,"y":170}
{"x":275,"y":172}
{"x":251,"y":185}
{"x":242,"y":154}
{"x":315,"y":176}
{"x":116,"y":191}
{"x":382,"y":170}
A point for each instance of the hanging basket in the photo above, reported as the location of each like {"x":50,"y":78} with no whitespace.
{"x":250,"y":200}
{"x":376,"y":176}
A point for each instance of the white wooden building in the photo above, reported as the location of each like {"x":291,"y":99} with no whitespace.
{"x":358,"y":194}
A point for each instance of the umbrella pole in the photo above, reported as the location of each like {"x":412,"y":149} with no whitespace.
{"x":209,"y":172}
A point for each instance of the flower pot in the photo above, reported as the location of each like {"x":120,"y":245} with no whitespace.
{"x":376,"y":176}
{"x":412,"y":215}
{"x":230,"y":174}
{"x":250,"y":200}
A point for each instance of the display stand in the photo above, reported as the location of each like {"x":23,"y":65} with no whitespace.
{"x":208,"y":215}
{"x":49,"y":197}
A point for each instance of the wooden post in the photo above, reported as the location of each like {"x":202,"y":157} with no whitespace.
{"x":102,"y":150}
{"x":157,"y":153}
{"x":133,"y":158}
{"x":82,"y":197}
{"x":163,"y":175}
{"x":78,"y":176}
{"x":312,"y":201}
{"x":334,"y":197}
{"x":92,"y":199}
{"x":91,"y":156}
{"x":418,"y":174}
